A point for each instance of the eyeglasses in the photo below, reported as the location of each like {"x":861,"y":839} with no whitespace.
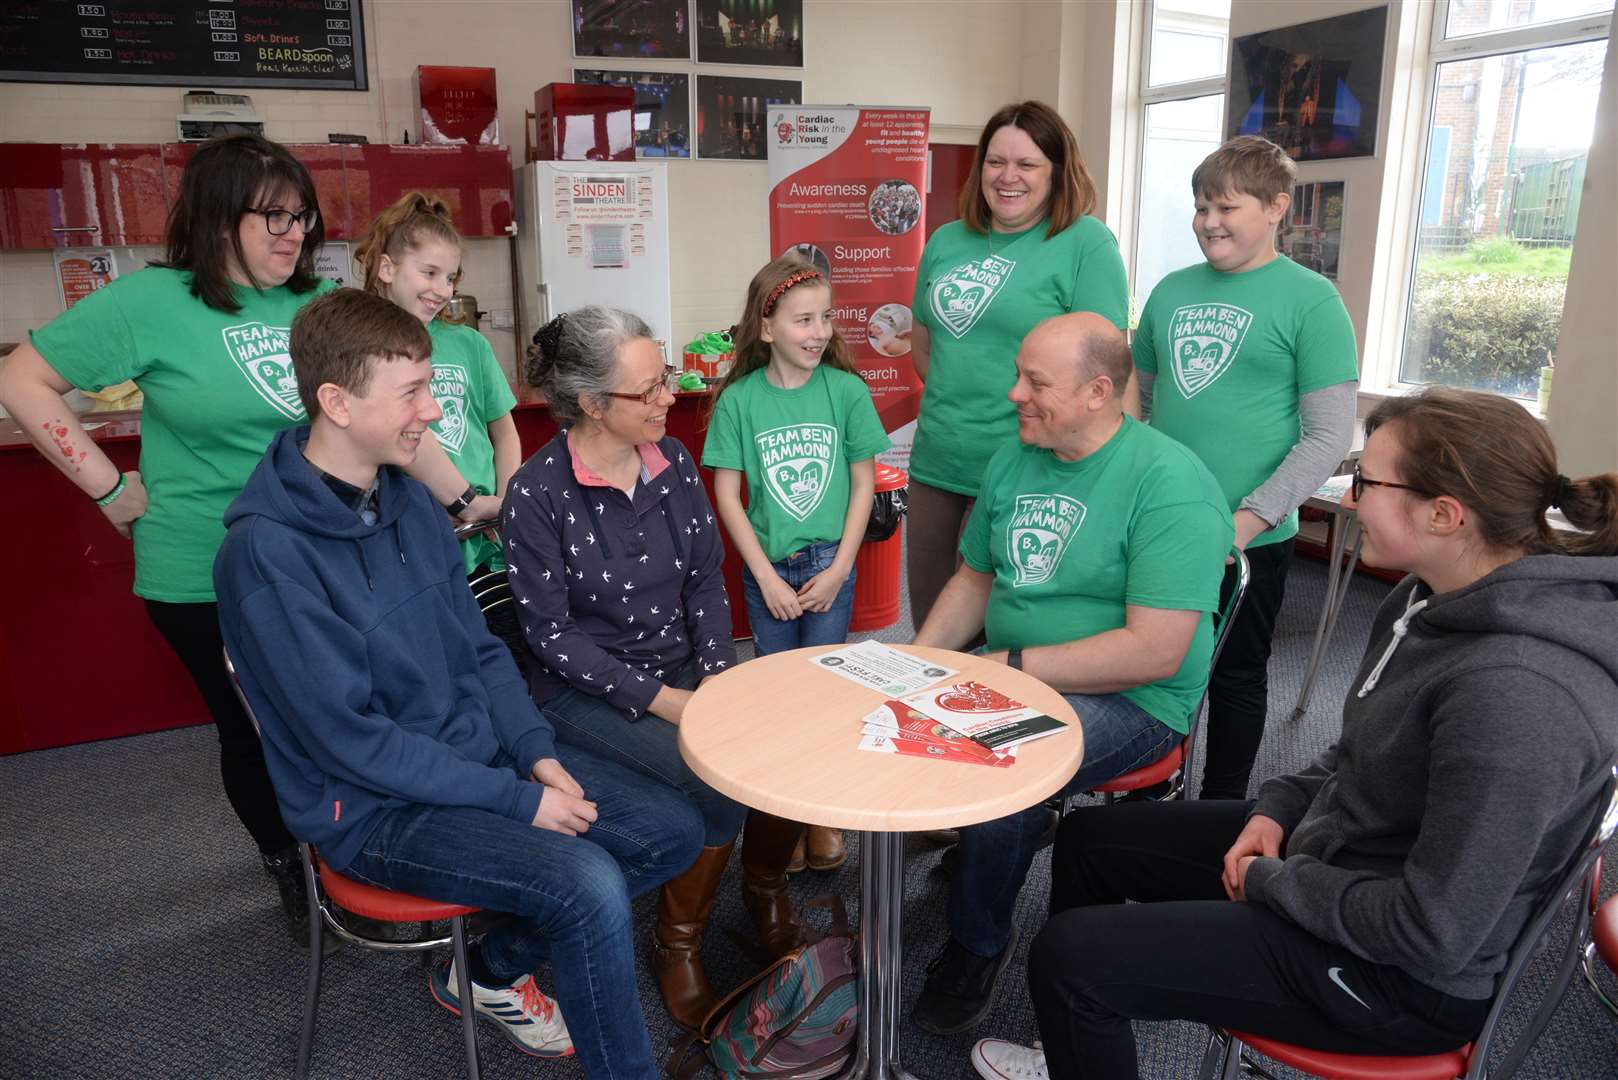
{"x":1361,"y":482}
{"x":279,"y":222}
{"x":670,"y":379}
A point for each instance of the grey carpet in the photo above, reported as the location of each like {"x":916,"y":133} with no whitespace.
{"x":142,"y":939}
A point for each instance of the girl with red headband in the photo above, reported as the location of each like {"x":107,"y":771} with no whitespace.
{"x":796,"y":419}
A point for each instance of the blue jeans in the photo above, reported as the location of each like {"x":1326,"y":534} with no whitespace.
{"x":994,"y":857}
{"x":571,"y":894}
{"x":772,"y":635}
{"x":649,"y":746}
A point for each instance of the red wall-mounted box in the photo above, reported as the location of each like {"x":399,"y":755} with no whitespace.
{"x":584,"y":122}
{"x":457,"y":106}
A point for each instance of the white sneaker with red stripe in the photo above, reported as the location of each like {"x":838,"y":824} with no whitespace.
{"x":997,"y":1059}
{"x":525,"y":1014}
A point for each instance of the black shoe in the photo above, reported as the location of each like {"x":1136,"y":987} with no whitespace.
{"x":960,"y":988}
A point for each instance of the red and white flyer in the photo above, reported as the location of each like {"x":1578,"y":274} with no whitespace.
{"x":898,"y":722}
{"x":983,"y":714}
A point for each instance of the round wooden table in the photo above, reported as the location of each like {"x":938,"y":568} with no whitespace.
{"x":782,"y":735}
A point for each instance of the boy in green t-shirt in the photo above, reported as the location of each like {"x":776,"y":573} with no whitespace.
{"x":1263,"y":371}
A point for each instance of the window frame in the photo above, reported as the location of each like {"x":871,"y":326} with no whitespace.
{"x":1403,"y":182}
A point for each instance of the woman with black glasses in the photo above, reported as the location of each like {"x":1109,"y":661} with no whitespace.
{"x":1366,"y":904}
{"x":204,"y":335}
{"x":614,"y":556}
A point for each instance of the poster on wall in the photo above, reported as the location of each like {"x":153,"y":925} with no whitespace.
{"x":768,"y":32}
{"x":731,"y":114}
{"x":662,"y":108}
{"x":847,"y":193}
{"x":1312,"y":232}
{"x":333,"y":262}
{"x":1314,"y":89}
{"x":631,"y":29}
{"x":81,"y":271}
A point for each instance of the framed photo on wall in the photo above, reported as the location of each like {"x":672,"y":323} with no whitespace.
{"x":732,"y":112}
{"x":1314,"y":89}
{"x":662,"y":108}
{"x":631,"y":29}
{"x":767,"y":32}
{"x":1312,"y":232}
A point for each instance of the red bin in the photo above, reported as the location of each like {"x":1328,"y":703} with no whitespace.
{"x":879,"y":567}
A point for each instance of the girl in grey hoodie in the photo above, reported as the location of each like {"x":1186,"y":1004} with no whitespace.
{"x":1367,"y":903}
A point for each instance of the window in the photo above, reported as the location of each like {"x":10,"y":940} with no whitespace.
{"x":1514,"y":85}
{"x":1182,"y":121}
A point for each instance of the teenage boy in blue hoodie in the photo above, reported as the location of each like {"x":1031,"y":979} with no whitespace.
{"x":398,"y":732}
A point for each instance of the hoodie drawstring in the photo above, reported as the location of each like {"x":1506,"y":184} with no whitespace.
{"x":366,"y":566}
{"x":1401,"y":627}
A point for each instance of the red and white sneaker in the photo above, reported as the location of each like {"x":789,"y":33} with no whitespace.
{"x":997,"y":1059}
{"x":525,"y":1014}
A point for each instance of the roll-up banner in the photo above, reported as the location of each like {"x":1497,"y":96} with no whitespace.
{"x":847,"y":191}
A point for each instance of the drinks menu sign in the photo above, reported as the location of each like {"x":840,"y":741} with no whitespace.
{"x":291,"y":44}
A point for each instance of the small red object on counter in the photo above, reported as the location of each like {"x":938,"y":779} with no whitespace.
{"x":457,"y":106}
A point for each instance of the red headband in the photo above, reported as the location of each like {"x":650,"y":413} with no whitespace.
{"x":797,"y":277}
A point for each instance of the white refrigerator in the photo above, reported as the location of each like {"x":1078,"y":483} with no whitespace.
{"x":594,"y":233}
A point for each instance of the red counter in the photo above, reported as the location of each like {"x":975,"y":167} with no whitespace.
{"x":79,"y":660}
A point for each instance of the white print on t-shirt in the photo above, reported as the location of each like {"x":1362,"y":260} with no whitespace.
{"x":797,"y":462}
{"x":449,"y":390}
{"x":1203,"y":342}
{"x":961,"y":296}
{"x":1041,"y":527}
{"x":262,"y":354}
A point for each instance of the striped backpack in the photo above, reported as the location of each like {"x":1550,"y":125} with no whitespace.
{"x":797,"y":1018}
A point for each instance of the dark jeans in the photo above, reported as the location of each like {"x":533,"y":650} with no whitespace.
{"x":650,"y":746}
{"x":994,"y":857}
{"x":571,"y":894}
{"x":1185,"y":952}
{"x":1239,"y":687}
{"x":772,"y":635}
{"x":192,"y":631}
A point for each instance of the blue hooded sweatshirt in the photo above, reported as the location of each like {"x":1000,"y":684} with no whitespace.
{"x":366,"y":661}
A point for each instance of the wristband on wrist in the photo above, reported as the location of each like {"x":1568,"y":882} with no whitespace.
{"x":1014,"y":659}
{"x":464,"y":501}
{"x":110,"y":497}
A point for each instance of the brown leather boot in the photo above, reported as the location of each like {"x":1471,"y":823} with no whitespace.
{"x":827,"y":851}
{"x":767,"y":843}
{"x":682,"y":916}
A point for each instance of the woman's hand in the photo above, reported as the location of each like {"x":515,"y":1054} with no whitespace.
{"x":784,"y":604}
{"x":669,"y":704}
{"x":129,"y":505}
{"x":482,"y":508}
{"x":1261,"y":837}
{"x":820,"y":592}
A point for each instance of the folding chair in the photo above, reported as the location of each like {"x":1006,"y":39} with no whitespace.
{"x":326,"y":887}
{"x":1176,"y":764}
{"x":1471,"y":1061}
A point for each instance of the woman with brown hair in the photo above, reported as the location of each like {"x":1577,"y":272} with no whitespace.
{"x":1025,"y":248}
{"x":1367,"y":903}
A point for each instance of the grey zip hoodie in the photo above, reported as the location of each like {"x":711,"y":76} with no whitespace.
{"x":1474,"y":752}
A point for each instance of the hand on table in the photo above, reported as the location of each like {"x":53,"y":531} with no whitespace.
{"x":1260,"y":837}
{"x":820,"y":592}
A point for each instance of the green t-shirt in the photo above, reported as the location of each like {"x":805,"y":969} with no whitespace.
{"x":795,"y":447}
{"x":472,"y":390}
{"x":217,"y":387}
{"x":1241,"y":349}
{"x":977,"y":306}
{"x":1070,"y":543}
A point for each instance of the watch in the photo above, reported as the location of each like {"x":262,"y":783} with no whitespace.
{"x":1014,"y":659}
{"x":463,"y":501}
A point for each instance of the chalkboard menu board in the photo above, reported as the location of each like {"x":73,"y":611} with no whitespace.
{"x":291,"y":44}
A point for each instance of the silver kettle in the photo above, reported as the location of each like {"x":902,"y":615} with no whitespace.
{"x":462,"y":310}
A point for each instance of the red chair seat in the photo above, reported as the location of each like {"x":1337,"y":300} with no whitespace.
{"x":384,"y":904}
{"x":1604,"y":929}
{"x":1147,"y":775}
{"x":1362,"y":1066}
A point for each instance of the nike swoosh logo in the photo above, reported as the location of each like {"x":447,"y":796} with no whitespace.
{"x":1336,"y":975}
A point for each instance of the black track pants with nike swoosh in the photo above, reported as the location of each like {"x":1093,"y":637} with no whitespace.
{"x":1185,"y":952}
